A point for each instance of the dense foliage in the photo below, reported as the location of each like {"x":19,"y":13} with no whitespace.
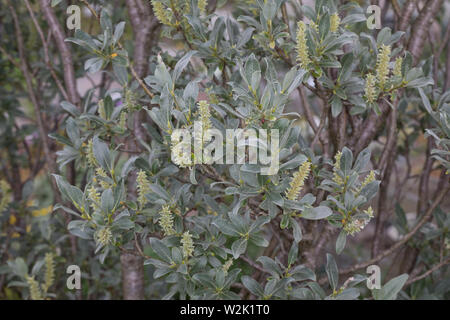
{"x":100,"y":179}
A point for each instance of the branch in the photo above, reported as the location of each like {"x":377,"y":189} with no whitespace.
{"x":36,"y":105}
{"x":63,"y":48}
{"x":46,"y":55}
{"x":426,"y":274}
{"x":405,"y":239}
{"x":420,"y":28}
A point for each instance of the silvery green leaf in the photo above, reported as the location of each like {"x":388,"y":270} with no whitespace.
{"x":390,"y":290}
{"x":238,"y":247}
{"x":340,"y":242}
{"x":332,"y":271}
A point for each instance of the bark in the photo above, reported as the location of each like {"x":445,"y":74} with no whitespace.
{"x":407,"y":10}
{"x":143,"y":23}
{"x":420,"y":28}
{"x":132,"y":276}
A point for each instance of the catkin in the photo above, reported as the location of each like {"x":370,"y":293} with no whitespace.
{"x":49,"y":271}
{"x":298,"y":181}
{"x":382,"y":69}
{"x":302,"y":46}
{"x":188,"y":244}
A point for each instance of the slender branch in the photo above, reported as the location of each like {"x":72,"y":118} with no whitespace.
{"x":63,"y":48}
{"x":427,"y":273}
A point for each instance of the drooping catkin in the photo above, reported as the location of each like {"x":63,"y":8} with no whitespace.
{"x":298,"y":181}
{"x":302,"y":46}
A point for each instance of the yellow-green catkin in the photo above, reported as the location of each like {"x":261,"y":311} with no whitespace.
{"x":202,"y":4}
{"x":302,"y":46}
{"x":180,"y":151}
{"x":369,"y":212}
{"x":162,"y":14}
{"x":104,"y":236}
{"x":166,"y":221}
{"x":227,"y":265}
{"x":337,"y":166}
{"x":314,"y":26}
{"x":205,"y":115}
{"x":101,"y":109}
{"x":298,"y":181}
{"x":188,"y":244}
{"x":369,"y":178}
{"x":101,"y":173}
{"x":398,"y":67}
{"x":123,"y":120}
{"x":370,"y":91}
{"x":334,"y":22}
{"x":90,"y":154}
{"x":4,"y":195}
{"x":142,"y":187}
{"x":355,"y":225}
{"x":130,"y":100}
{"x":382,"y":69}
{"x":35,"y":291}
{"x":94,"y":196}
{"x":49,"y":271}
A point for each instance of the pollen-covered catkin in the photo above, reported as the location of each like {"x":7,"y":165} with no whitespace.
{"x":101,"y":109}
{"x":49,"y":271}
{"x":337,"y":166}
{"x":382,"y":69}
{"x":4,"y":195}
{"x":35,"y":291}
{"x":302,"y":46}
{"x":398,"y":67}
{"x":90,"y":154}
{"x":94,"y":196}
{"x":162,"y":14}
{"x":101,"y":173}
{"x":369,"y":178}
{"x":334,"y":22}
{"x":180,"y":150}
{"x":142,"y":187}
{"x":298,"y":181}
{"x":370,"y":91}
{"x":166,"y":221}
{"x":104,"y":236}
{"x":188,"y":244}
{"x":202,"y":4}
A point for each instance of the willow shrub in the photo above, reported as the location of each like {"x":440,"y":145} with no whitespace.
{"x":207,"y":229}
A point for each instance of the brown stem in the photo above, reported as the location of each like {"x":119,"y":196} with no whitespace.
{"x":63,"y":48}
